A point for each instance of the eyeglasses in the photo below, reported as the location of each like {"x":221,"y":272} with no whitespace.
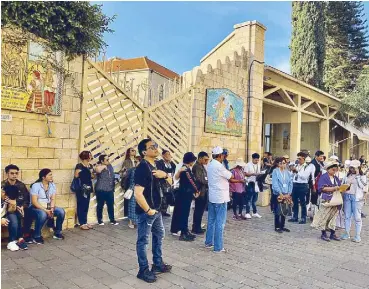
{"x":153,"y":147}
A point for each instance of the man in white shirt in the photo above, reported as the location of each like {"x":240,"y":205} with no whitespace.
{"x":252,"y":170}
{"x":301,"y":175}
{"x":218,"y":181}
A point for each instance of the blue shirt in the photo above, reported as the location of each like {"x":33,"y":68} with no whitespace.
{"x":39,"y":191}
{"x":281,"y":182}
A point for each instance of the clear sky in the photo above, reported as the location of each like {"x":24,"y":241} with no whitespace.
{"x":178,"y":34}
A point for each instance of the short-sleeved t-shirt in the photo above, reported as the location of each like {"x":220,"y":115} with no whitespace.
{"x":43,"y":196}
{"x":152,"y":187}
{"x":85,"y":174}
{"x":252,"y":168}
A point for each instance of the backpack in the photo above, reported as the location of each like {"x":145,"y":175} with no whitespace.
{"x":317,"y":180}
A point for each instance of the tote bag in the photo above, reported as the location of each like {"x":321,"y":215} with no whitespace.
{"x":335,"y":201}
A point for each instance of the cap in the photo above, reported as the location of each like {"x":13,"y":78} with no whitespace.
{"x":217,"y":151}
{"x":189,"y":158}
{"x":225,"y":152}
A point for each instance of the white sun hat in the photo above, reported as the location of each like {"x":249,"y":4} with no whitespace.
{"x":355,"y":164}
{"x":238,"y":163}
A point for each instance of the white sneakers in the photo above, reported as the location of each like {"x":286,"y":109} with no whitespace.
{"x":248,"y":216}
{"x":256,"y":215}
{"x":12,"y":246}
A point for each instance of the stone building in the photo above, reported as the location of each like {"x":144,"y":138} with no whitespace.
{"x":280,"y":114}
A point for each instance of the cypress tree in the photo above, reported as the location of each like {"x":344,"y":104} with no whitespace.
{"x":308,"y":42}
{"x":346,"y":46}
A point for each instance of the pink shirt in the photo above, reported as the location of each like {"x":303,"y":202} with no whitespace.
{"x":237,"y":187}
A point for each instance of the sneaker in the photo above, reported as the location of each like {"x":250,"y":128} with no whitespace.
{"x":280,"y":231}
{"x":58,"y":236}
{"x":236,"y":218}
{"x":200,"y":232}
{"x":114,"y":223}
{"x":176,"y":234}
{"x":293,"y":220}
{"x":101,"y":223}
{"x":303,"y":221}
{"x":345,"y":236}
{"x":221,"y":251}
{"x":209,"y":246}
{"x":256,"y":215}
{"x":39,"y":241}
{"x":163,"y":268}
{"x":28,"y":240}
{"x":356,"y":240}
{"x":22,"y":245}
{"x":242,"y":217}
{"x":12,"y":246}
{"x":248,"y":216}
{"x":186,"y":238}
{"x":191,"y":235}
{"x":146,"y":276}
{"x":286,"y":230}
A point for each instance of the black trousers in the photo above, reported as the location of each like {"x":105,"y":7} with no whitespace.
{"x":200,"y":204}
{"x":299,"y":193}
{"x":238,"y":200}
{"x":102,"y":198}
{"x":279,"y":221}
{"x":125,"y":207}
{"x":181,"y":212}
{"x":82,"y":207}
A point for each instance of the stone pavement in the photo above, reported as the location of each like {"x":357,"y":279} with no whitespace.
{"x":258,"y":258}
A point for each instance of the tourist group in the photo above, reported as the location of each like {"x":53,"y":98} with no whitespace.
{"x":325,"y":190}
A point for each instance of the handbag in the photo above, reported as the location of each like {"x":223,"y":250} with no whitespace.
{"x":285,"y":208}
{"x":335,"y":201}
{"x":76,"y":185}
{"x":268,"y":180}
{"x":128,"y":194}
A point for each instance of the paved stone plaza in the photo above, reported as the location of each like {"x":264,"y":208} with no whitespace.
{"x":258,"y":258}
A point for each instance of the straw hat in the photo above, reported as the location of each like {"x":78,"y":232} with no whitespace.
{"x":286,"y":156}
{"x":355,"y":164}
{"x":330,"y":164}
{"x":334,"y":157}
{"x":238,"y":163}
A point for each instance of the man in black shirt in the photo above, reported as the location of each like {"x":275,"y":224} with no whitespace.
{"x":148,"y":193}
{"x":319,"y":165}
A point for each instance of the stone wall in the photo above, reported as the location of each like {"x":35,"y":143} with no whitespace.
{"x":227,"y":66}
{"x":25,"y":143}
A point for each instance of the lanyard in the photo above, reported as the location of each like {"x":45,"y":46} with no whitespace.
{"x":255,"y":167}
{"x":283,"y":176}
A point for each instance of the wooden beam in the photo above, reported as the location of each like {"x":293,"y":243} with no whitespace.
{"x":307,"y":104}
{"x":279,"y":104}
{"x":270,"y":91}
{"x":286,"y":97}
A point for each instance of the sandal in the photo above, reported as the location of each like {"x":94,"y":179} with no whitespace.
{"x":85,"y":227}
{"x":89,"y":226}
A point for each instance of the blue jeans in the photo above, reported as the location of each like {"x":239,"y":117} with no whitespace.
{"x":145,"y":225}
{"x":15,"y":226}
{"x":102,"y":198}
{"x":251,"y":199}
{"x":352,"y":207}
{"x":41,"y":218}
{"x":217,"y":216}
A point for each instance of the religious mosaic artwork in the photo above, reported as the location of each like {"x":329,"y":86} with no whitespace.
{"x":30,"y":78}
{"x":224,"y":112}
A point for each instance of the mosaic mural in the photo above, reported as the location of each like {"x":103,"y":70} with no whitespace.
{"x":224,"y":112}
{"x":30,"y":78}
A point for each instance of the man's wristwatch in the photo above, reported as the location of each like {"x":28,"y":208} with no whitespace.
{"x":148,"y":210}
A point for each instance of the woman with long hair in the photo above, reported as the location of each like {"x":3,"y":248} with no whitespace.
{"x":43,"y":208}
{"x":128,"y":163}
{"x":353,"y":200}
{"x":282,"y":189}
{"x":84,"y":171}
{"x":325,"y":218}
{"x":269,"y":181}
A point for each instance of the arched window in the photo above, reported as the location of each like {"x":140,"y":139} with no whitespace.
{"x":161,"y":92}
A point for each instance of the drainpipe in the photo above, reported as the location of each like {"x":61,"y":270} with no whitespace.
{"x":249,"y":107}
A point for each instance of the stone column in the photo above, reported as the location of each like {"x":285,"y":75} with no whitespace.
{"x":324,"y":136}
{"x":295,"y":134}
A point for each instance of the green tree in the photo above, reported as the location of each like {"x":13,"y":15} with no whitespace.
{"x":308,"y":42}
{"x":77,"y":28}
{"x":357,"y":101}
{"x":346,"y":46}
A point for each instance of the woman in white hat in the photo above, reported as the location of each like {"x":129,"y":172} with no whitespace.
{"x":325,"y":218}
{"x":353,"y":200}
{"x":237,"y":189}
